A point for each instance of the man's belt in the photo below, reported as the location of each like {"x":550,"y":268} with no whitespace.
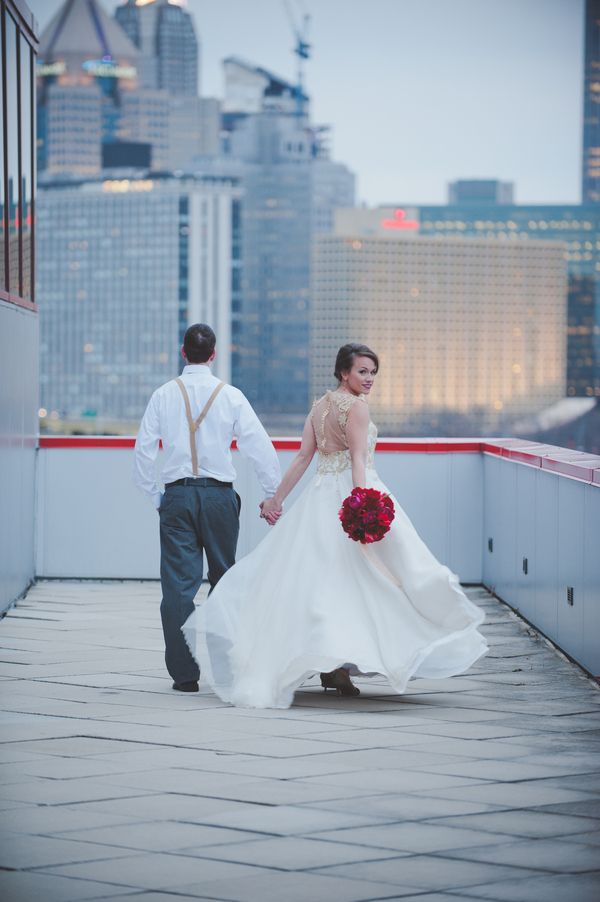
{"x":202,"y":481}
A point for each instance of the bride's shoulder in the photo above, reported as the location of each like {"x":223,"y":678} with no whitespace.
{"x":318,"y":402}
{"x":345,"y":400}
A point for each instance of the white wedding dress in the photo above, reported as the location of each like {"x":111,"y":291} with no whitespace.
{"x":309,"y":599}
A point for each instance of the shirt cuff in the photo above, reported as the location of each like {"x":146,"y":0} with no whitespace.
{"x":156,"y":499}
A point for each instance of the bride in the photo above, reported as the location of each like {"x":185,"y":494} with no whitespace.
{"x":309,"y":600}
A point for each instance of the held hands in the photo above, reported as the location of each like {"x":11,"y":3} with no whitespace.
{"x":270,"y":511}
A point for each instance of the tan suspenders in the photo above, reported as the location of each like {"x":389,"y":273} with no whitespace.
{"x":194,"y":424}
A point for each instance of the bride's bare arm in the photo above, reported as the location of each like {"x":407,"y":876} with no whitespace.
{"x":299,"y":465}
{"x":357,"y":429}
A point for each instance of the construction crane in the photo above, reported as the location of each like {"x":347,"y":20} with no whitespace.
{"x":302,"y":48}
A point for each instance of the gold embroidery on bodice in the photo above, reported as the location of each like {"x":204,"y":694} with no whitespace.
{"x":337,"y":459}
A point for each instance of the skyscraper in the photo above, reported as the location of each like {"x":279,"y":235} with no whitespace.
{"x":166,"y":39}
{"x":590,"y":183}
{"x":86,"y":65}
{"x":125,"y":265}
{"x":291,"y":188}
{"x":94,"y":90}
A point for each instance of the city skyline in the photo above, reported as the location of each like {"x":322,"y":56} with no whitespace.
{"x":501,"y":86}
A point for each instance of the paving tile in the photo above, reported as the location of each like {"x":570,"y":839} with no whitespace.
{"x":78,"y":746}
{"x":550,"y":888}
{"x":53,"y":768}
{"x":181,"y":781}
{"x":585,"y":808}
{"x":294,"y":887}
{"x":499,"y":771}
{"x":437,"y":897}
{"x":497,"y":730}
{"x":159,"y":836}
{"x":48,"y":820}
{"x":287,"y":820}
{"x":587,"y":783}
{"x":171,"y":807}
{"x":543,"y":854}
{"x":429,"y":872}
{"x":22,"y":886}
{"x":64,"y":792}
{"x":285,"y":747}
{"x":404,"y":807}
{"x":155,"y":871}
{"x":395,"y":780}
{"x":532,"y":824}
{"x":480,"y":749}
{"x":291,"y":853}
{"x":412,"y":837}
{"x":591,"y":839}
{"x":24,"y":853}
{"x":514,"y":795}
{"x":133,"y":895}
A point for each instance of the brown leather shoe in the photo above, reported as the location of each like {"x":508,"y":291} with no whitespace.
{"x":186,"y":687}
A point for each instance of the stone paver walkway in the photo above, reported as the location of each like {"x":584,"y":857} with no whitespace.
{"x":484,"y":786}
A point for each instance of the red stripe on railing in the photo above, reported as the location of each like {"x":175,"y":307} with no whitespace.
{"x":562,"y":461}
{"x":281,"y":444}
{"x":86,"y":441}
{"x":428,"y":446}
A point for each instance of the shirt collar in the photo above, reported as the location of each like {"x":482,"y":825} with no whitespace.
{"x":196,"y":369}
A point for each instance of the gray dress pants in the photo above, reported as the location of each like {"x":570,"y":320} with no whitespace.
{"x":193,"y":518}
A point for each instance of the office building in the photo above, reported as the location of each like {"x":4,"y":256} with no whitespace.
{"x":125,"y":265}
{"x":590,"y":175}
{"x":94,"y":91}
{"x":144,"y":117}
{"x":194,"y":131}
{"x":470,"y":333}
{"x":291,"y":188}
{"x":480,"y":191}
{"x":86,"y":67}
{"x":166,"y":39}
{"x":183,"y":128}
{"x":181,"y":131}
{"x":578,"y":227}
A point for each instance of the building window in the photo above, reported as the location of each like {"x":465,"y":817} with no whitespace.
{"x":17,"y":168}
{"x":26,"y":193}
{"x":12,"y":152}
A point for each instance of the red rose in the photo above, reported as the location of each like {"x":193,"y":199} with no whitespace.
{"x":366,"y":515}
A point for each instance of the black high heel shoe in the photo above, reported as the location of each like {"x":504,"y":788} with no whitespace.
{"x":340,"y":681}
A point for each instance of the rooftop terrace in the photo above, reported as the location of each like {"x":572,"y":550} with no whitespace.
{"x":483,"y":786}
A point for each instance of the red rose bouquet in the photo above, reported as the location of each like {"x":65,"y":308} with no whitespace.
{"x":366,"y":515}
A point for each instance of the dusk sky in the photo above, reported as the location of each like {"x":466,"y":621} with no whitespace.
{"x":421,"y":92}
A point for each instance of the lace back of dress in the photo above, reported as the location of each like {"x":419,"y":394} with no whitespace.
{"x":329,"y":417}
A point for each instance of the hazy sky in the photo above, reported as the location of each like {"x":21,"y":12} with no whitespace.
{"x":420,"y":92}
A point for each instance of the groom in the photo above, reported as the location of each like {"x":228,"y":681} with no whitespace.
{"x":196,"y":417}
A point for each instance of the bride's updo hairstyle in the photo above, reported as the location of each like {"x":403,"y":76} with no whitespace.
{"x":345,"y":358}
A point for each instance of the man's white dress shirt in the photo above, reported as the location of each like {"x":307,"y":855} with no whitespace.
{"x":229,"y":417}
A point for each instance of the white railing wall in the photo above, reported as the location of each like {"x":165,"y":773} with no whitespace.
{"x":548,"y":525}
{"x":18,"y":439}
{"x":93,"y":523}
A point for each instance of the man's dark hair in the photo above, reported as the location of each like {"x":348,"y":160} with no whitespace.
{"x":199,"y":343}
